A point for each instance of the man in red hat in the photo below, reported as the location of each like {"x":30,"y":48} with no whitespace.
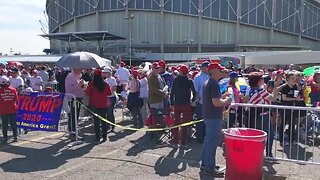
{"x":180,"y":98}
{"x":165,"y":74}
{"x":157,"y":91}
{"x":168,"y":78}
{"x":8,"y":108}
{"x":213,"y":106}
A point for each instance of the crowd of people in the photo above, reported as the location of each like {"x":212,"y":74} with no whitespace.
{"x":183,"y":90}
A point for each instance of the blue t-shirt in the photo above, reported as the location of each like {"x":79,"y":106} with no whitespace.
{"x":211,"y":90}
{"x":168,"y":78}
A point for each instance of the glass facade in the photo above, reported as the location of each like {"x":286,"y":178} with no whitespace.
{"x":292,"y":16}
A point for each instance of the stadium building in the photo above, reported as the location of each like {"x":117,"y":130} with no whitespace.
{"x":124,"y":27}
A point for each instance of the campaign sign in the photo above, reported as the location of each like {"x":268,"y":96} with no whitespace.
{"x":39,"y":111}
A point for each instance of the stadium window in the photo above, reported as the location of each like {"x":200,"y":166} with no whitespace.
{"x":131,"y":4}
{"x":155,"y":4}
{"x":185,"y":7}
{"x":147,"y":4}
{"x":194,"y":7}
{"x":252,"y":8}
{"x":114,"y":4}
{"x":215,"y":9}
{"x":168,"y":5}
{"x":106,"y":4}
{"x":244,"y":10}
{"x":261,"y":15}
{"x":224,"y":9}
{"x":139,"y":4}
{"x":176,"y":5}
{"x":120,"y":5}
{"x":206,"y":11}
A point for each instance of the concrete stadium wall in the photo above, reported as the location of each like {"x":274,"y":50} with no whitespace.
{"x":177,"y":29}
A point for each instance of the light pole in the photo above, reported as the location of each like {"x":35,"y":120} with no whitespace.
{"x":131,"y":17}
{"x":189,"y":42}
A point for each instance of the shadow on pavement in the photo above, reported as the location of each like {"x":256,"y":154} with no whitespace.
{"x":41,"y":159}
{"x":297,"y":153}
{"x":166,"y":165}
{"x":121,"y":134}
{"x":48,"y":158}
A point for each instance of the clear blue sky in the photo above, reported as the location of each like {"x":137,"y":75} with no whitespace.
{"x":20,"y":27}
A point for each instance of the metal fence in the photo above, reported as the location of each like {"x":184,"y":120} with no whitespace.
{"x":293,"y":132}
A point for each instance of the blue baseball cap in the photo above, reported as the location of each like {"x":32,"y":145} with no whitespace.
{"x":205,"y":64}
{"x":233,"y":74}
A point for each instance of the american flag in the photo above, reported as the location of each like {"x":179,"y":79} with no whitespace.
{"x":259,"y":96}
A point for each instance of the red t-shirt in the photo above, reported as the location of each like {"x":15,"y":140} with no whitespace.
{"x":98,"y":99}
{"x":8,"y":101}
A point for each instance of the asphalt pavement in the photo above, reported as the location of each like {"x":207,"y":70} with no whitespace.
{"x":125,"y":155}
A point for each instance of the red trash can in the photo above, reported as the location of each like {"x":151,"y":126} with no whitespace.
{"x":244,"y":153}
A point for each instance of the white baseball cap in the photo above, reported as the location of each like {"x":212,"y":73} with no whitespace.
{"x":107,"y":70}
{"x":4,"y":80}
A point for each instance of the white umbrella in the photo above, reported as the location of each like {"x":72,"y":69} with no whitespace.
{"x":82,"y":60}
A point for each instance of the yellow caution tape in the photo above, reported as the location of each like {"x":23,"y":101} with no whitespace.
{"x":141,"y":129}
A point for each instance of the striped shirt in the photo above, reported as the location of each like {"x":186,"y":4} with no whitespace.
{"x":259,"y":96}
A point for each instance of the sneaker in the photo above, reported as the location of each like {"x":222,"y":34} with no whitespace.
{"x":215,"y":173}
{"x":15,"y":139}
{"x":73,"y":137}
{"x":104,"y":137}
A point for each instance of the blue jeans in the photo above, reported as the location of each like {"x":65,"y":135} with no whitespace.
{"x":110,"y":110}
{"x":267,"y":127}
{"x":211,"y":142}
{"x":200,"y":127}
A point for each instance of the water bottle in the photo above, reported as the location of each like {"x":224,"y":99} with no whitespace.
{"x":230,"y":91}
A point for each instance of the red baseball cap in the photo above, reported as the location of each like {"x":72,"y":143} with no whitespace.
{"x":279,"y":72}
{"x":155,"y":65}
{"x":98,"y":72}
{"x":135,"y":73}
{"x":184,"y":69}
{"x":215,"y":66}
{"x":173,"y":68}
{"x":162,"y":63}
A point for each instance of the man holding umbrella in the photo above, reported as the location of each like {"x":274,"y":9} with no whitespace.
{"x":73,"y":83}
{"x":75,"y":86}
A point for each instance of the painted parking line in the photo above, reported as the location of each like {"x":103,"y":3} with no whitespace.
{"x":34,"y":140}
{"x":79,"y":165}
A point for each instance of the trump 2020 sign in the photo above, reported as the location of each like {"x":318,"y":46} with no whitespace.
{"x":39,"y":111}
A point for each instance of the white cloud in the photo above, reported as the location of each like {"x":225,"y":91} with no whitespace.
{"x":20,"y":26}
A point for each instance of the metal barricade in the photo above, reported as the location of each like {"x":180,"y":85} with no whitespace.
{"x":69,"y":117}
{"x":293,"y":132}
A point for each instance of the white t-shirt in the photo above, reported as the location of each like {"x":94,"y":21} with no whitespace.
{"x":123,"y":74}
{"x":44,"y":76}
{"x":16,"y":82}
{"x":144,"y":88}
{"x":34,"y":82}
{"x":112,"y":82}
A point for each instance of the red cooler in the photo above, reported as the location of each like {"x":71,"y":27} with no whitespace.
{"x":244,"y":153}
